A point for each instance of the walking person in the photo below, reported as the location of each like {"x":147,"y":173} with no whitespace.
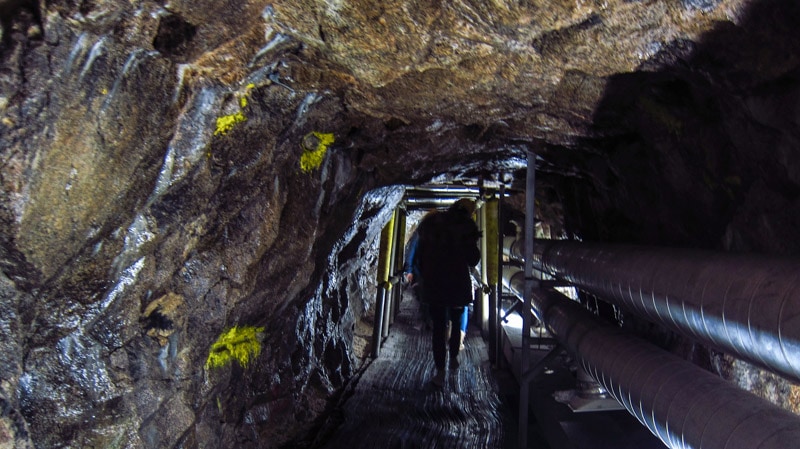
{"x":413,"y":278}
{"x":447,"y":249}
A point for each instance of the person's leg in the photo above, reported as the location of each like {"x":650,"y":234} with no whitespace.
{"x":424,"y":314}
{"x":438,"y":339}
{"x":455,"y":314}
{"x":464,"y":323}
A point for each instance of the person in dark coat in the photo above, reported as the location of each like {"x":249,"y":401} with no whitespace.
{"x":447,"y":248}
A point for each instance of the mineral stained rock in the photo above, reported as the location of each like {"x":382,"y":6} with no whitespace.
{"x":152,"y":193}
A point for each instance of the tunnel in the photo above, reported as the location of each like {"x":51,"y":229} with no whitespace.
{"x":204,"y":207}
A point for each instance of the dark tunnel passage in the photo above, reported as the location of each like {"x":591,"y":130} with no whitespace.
{"x":584,"y":368}
{"x":691,"y":151}
{"x":193,"y":194}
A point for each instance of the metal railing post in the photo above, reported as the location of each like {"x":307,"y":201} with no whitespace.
{"x":492,"y":277}
{"x":399,"y":259}
{"x":384,"y":265}
{"x":482,"y":300}
{"x":530,"y":232}
{"x":498,"y":281}
{"x":377,"y":327}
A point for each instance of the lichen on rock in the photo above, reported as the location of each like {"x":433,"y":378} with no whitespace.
{"x":239,"y":344}
{"x":315,"y":144}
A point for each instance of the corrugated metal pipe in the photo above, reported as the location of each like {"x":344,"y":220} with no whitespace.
{"x":745,"y":305}
{"x":682,"y":404}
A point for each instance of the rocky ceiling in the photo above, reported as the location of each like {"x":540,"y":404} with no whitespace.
{"x":171,"y":169}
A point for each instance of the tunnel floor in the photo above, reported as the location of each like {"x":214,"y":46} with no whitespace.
{"x":394,"y":404}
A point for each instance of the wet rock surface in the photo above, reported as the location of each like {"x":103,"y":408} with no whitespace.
{"x":157,"y":184}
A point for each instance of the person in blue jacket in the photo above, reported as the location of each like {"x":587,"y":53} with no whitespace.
{"x":413,"y":277}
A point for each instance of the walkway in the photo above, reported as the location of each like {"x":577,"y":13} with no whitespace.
{"x":394,"y":404}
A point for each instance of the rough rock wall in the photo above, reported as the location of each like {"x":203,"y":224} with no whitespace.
{"x":144,"y":211}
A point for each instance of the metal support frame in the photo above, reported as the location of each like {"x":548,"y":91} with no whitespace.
{"x":377,"y":325}
{"x":398,"y":257}
{"x":388,"y":314}
{"x":514,"y":308}
{"x":380,"y":324}
{"x":533,"y":372}
{"x":483,"y":305}
{"x":530,"y":214}
{"x":498,"y":287}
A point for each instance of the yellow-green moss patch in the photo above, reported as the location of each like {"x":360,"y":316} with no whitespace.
{"x":237,"y":343}
{"x":315,"y":145}
{"x":227,"y":122}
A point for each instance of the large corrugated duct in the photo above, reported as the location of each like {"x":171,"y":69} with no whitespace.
{"x":682,"y":404}
{"x":746,"y":305}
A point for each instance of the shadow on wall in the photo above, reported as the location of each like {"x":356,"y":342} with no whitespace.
{"x":701,"y":146}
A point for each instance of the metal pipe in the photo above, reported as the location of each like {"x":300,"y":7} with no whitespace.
{"x":387,"y":310}
{"x":442,"y":190}
{"x":513,"y":248}
{"x":385,"y":251}
{"x":443,"y":196}
{"x":382,"y":278}
{"x":682,"y":404}
{"x":498,"y":282}
{"x":396,"y":249}
{"x":377,"y":324}
{"x":746,"y":305}
{"x":514,"y":282}
{"x":430,"y":203}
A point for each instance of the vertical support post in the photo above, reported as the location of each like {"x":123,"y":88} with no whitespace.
{"x":530,"y":234}
{"x":483,"y":297}
{"x":498,"y":289}
{"x":387,"y":310}
{"x":377,"y":325}
{"x":399,"y":257}
{"x":390,"y":294}
{"x":383,"y":285}
{"x":492,"y":277}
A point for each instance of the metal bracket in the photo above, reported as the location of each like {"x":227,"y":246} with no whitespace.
{"x":578,"y":403}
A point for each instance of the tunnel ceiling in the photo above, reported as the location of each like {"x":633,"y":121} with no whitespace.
{"x":170,"y":169}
